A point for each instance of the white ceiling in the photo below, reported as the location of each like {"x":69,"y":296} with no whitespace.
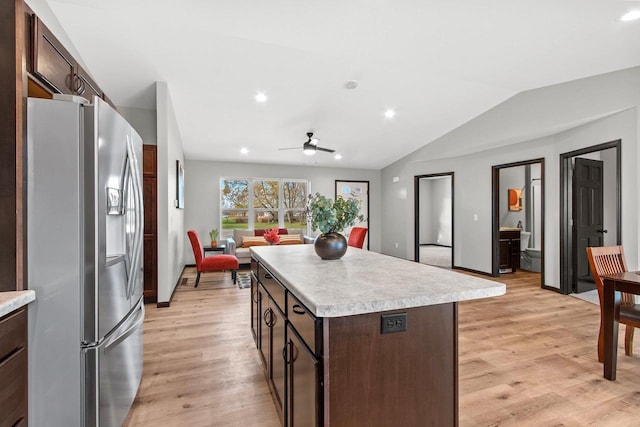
{"x":437,"y":63}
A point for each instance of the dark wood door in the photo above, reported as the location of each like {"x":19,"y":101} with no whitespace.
{"x":150,"y":197}
{"x":588,"y":218}
{"x":302,"y":383}
{"x":150,"y":284}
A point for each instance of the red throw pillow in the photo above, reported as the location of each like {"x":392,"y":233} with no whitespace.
{"x":281,"y":231}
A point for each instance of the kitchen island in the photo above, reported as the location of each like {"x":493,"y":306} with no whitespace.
{"x":365,"y":340}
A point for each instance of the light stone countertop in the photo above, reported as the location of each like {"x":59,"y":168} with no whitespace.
{"x":13,"y":300}
{"x":367,"y":282}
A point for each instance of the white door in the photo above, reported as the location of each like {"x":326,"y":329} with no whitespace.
{"x":356,"y":190}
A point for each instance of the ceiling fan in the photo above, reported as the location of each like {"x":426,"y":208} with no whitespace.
{"x":311,"y":146}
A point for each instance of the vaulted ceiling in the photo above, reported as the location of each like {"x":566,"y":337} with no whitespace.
{"x":435,"y":63}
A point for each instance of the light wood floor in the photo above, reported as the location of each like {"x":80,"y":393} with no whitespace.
{"x":527,"y":358}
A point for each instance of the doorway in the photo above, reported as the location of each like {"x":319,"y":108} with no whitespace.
{"x":358,"y":190}
{"x":518,"y":218}
{"x":590,"y":208}
{"x":434,"y":219}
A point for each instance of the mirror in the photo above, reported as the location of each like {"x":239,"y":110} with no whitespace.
{"x":515,"y":199}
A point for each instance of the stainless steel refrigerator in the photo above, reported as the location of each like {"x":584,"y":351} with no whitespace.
{"x":85,"y":237}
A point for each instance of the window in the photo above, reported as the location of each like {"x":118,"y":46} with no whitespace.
{"x":255,"y":203}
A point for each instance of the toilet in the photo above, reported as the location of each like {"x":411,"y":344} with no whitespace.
{"x":530,"y":258}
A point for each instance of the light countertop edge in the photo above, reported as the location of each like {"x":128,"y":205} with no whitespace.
{"x":14,"y":300}
{"x":363,"y":281}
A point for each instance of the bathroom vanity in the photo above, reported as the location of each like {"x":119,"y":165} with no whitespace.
{"x":509,"y":250}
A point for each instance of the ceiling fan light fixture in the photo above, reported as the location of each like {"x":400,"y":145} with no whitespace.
{"x":309,"y":150}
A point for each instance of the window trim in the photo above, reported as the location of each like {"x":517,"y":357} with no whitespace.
{"x":251,"y":210}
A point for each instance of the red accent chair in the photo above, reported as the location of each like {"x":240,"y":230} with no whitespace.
{"x":356,"y":238}
{"x":211,"y":262}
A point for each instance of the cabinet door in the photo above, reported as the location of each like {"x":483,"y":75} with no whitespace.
{"x":255,"y":309}
{"x":277,"y":356}
{"x":302,"y":383}
{"x":263,"y":332}
{"x":86,"y":87}
{"x":505,"y":253}
{"x":51,"y":61}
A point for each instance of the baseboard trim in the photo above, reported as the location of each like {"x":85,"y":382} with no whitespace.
{"x":181,"y":281}
{"x":471,"y":270}
{"x":435,"y":244}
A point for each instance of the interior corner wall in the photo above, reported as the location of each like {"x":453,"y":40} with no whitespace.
{"x":144,"y":121}
{"x":171,"y":231}
{"x":202,"y":191}
{"x":613,"y":97}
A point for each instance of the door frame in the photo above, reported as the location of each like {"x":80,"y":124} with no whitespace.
{"x":416,"y":214}
{"x":495,"y":214}
{"x":368,"y":203}
{"x":566,"y":230}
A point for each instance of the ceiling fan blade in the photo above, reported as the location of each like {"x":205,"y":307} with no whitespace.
{"x":290,"y":148}
{"x":328,"y":150}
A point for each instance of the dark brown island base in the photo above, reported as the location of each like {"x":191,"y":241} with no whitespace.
{"x":367,"y":340}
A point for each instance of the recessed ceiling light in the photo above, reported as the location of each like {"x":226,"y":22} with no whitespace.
{"x":389,"y":114}
{"x":261,"y":97}
{"x":351,"y":84}
{"x":244,"y":150}
{"x":632,"y":15}
{"x":337,"y":156}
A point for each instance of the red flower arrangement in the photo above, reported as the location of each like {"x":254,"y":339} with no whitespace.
{"x":271,"y":236}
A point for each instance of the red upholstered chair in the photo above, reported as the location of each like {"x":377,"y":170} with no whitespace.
{"x":356,"y":238}
{"x":211,"y":262}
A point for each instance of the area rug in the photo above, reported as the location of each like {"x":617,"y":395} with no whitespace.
{"x":243,"y":279}
{"x":590,"y":296}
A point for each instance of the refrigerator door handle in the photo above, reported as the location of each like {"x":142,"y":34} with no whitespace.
{"x":139,"y":320}
{"x":139,"y":224}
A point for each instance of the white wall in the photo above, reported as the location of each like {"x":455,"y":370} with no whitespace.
{"x":612,"y":98}
{"x":144,"y":121}
{"x":441,"y":211}
{"x":171,"y":231}
{"x":426,"y":217}
{"x":202,"y":191}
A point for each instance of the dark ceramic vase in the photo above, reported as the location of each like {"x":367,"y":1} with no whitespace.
{"x":330,"y":245}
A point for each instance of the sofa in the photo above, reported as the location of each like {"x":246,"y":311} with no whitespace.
{"x":240,"y":242}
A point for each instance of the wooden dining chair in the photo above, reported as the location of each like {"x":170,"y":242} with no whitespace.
{"x":610,"y":260}
{"x":356,"y":237}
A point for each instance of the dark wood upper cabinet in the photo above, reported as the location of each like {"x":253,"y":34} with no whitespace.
{"x":87,"y":88}
{"x":57,"y":68}
{"x":51,"y":61}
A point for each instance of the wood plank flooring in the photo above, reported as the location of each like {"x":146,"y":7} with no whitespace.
{"x":527,"y":358}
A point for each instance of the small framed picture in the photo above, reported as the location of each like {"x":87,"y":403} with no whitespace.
{"x":179,"y":185}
